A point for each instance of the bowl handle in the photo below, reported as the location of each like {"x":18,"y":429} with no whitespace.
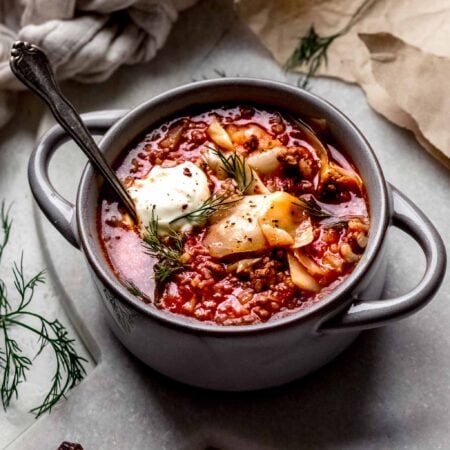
{"x":59,"y":211}
{"x":370,"y":314}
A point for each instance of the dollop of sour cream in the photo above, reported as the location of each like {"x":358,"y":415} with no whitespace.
{"x":171,"y":192}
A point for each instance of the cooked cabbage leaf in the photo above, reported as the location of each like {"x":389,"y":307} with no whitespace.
{"x":257,"y":222}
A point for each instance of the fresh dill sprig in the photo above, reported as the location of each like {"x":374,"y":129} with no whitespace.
{"x":327,"y":219}
{"x":313,"y":208}
{"x":167,"y":255}
{"x":311,"y":51}
{"x":235,"y":165}
{"x":137,"y":292}
{"x":335,"y":222}
{"x":69,"y":370}
{"x":341,"y":221}
{"x":208,"y":208}
{"x":133,"y":289}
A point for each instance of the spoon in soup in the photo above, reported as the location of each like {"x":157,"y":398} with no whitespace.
{"x":32,"y":67}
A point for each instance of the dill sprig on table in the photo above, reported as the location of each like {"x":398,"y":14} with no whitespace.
{"x":167,"y":254}
{"x":15,"y":364}
{"x":311,"y":51}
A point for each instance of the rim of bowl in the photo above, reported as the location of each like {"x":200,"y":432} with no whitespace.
{"x":339,"y":297}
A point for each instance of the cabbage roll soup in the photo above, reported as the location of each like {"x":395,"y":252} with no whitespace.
{"x":245,"y":215}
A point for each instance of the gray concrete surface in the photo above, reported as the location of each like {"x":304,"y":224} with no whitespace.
{"x":390,"y":389}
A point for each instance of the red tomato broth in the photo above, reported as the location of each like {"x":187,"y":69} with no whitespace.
{"x":205,"y":289}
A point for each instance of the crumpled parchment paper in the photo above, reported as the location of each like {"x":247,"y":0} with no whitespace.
{"x":398,"y":51}
{"x":85,"y":40}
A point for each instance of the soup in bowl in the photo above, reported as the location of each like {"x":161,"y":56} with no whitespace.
{"x":245,"y":215}
{"x":259,"y":251}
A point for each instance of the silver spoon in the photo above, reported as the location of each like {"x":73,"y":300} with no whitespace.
{"x":31,"y":66}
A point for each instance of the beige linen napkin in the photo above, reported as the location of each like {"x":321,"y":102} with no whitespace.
{"x":86,"y":40}
{"x":397,"y":51}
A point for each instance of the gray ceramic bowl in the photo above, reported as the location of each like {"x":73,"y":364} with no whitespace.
{"x":252,"y":356}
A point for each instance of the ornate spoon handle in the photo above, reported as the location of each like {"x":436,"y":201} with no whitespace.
{"x":31,"y":66}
